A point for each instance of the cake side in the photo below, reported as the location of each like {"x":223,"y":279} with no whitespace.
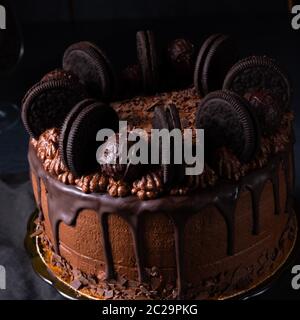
{"x":218,"y":258}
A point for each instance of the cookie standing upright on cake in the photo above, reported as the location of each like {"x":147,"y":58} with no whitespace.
{"x":148,"y":59}
{"x":217,"y":54}
{"x":47,"y":103}
{"x":93,"y":68}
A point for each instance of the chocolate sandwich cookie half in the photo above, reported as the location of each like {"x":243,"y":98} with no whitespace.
{"x":67,"y":125}
{"x":167,"y":117}
{"x":259,"y":73}
{"x":93,"y":69}
{"x":217,"y":54}
{"x":48,"y":102}
{"x":148,"y":59}
{"x":227,"y":120}
{"x":78,"y":145}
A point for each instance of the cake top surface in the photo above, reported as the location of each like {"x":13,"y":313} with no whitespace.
{"x":138,"y":111}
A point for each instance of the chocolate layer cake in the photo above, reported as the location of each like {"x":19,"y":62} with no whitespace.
{"x":130,"y":232}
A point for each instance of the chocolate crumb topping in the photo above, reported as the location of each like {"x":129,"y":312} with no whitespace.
{"x":138,"y":111}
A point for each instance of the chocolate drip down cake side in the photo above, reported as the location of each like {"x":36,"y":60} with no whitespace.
{"x":150,"y":231}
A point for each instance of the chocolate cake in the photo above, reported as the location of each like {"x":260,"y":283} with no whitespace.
{"x":136,"y":231}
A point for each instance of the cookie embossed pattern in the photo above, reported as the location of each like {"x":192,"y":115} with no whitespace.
{"x":150,"y":231}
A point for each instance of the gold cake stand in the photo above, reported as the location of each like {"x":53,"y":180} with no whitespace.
{"x":33,"y":248}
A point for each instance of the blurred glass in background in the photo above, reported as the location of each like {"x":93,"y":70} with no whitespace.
{"x":11,"y":52}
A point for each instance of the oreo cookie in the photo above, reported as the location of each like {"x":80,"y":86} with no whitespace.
{"x":93,"y":69}
{"x":167,"y":117}
{"x":48,"y":102}
{"x":130,"y":81}
{"x":148,"y":59}
{"x":67,"y":125}
{"x":78,"y":143}
{"x":259,"y":73}
{"x":217,"y":54}
{"x":228,"y":120}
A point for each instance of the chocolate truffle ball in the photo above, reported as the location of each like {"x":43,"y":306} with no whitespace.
{"x":130,"y":80}
{"x":267,"y":110}
{"x":181,"y":53}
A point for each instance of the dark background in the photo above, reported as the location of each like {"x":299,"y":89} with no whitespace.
{"x":48,"y":27}
{"x":64,"y":10}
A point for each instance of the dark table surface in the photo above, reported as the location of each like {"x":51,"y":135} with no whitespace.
{"x":44,"y":45}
